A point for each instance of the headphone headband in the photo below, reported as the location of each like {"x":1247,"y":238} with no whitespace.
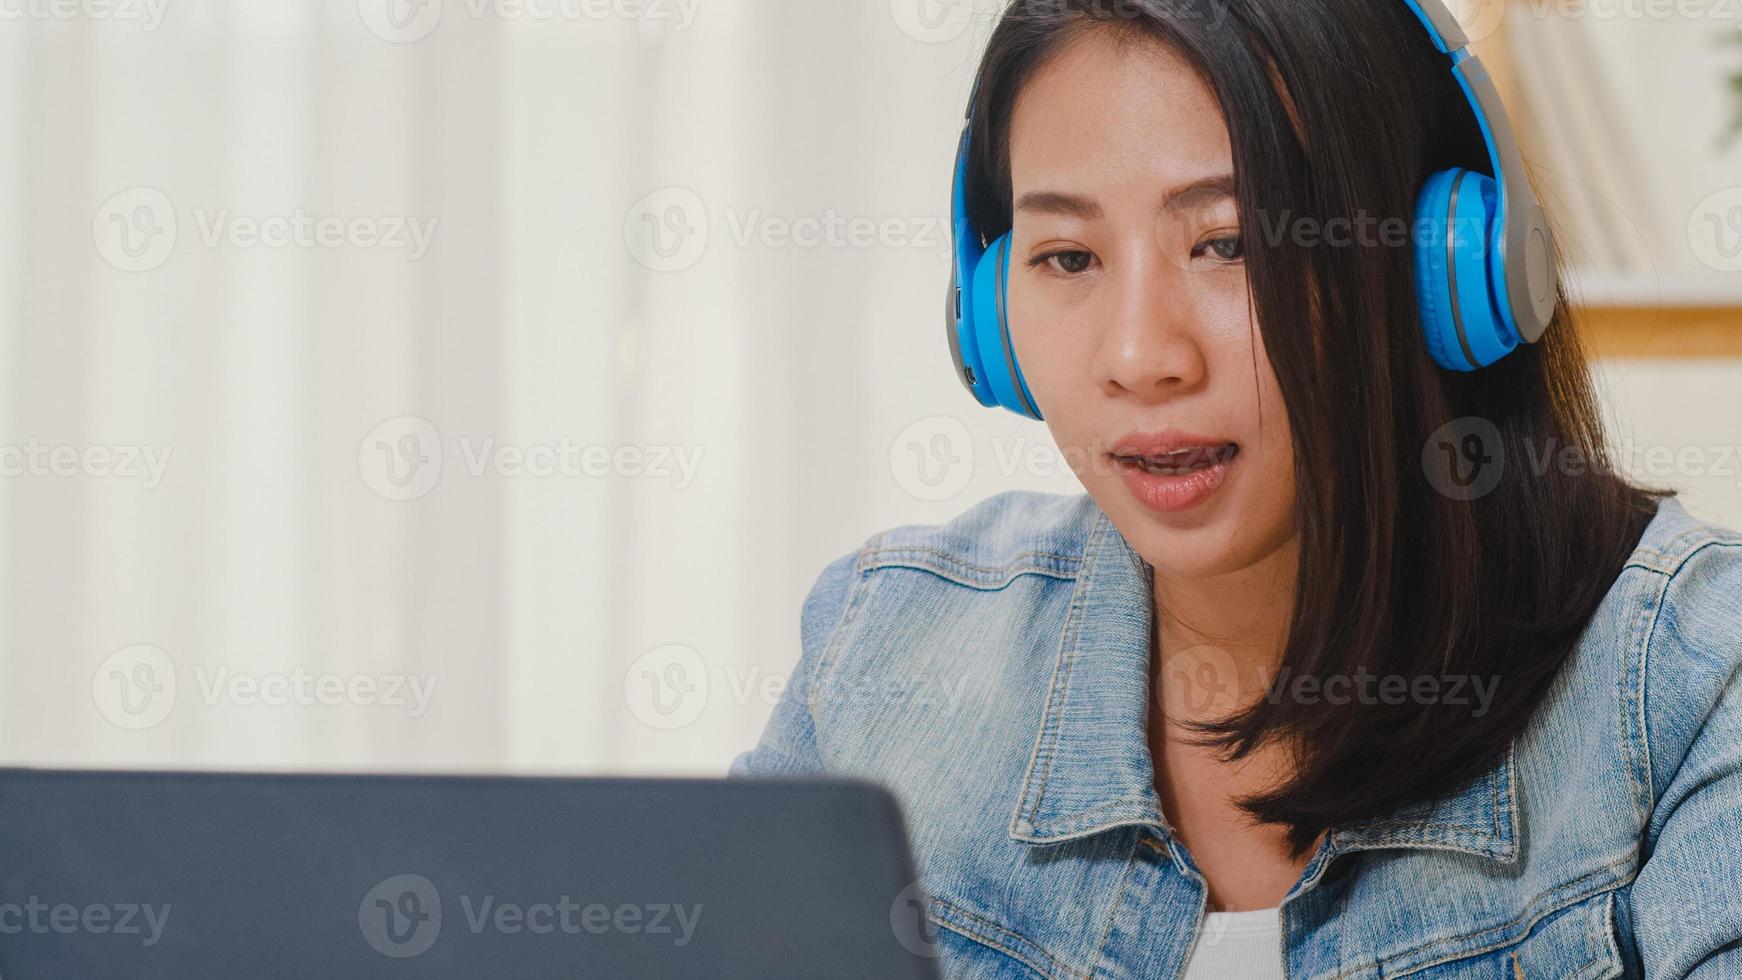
{"x":1523,"y":243}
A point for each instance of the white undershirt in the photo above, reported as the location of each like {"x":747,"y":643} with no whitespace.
{"x":1247,"y":945}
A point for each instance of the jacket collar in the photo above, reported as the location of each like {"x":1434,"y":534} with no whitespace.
{"x":1091,"y":769}
{"x":1481,"y":819}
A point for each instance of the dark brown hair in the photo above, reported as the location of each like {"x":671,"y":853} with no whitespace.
{"x":1342,"y":108}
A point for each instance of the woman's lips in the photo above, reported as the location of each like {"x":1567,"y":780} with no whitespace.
{"x":1177,"y":478}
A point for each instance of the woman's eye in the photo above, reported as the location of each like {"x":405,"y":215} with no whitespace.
{"x":1070,"y":262}
{"x":1228,"y":248}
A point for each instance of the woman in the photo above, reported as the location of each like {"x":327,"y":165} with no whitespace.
{"x":1346,"y":665}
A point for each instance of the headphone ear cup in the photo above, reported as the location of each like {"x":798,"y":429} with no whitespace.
{"x":1480,"y":290}
{"x":1432,"y":272}
{"x":991,"y":331}
{"x":1454,"y":235}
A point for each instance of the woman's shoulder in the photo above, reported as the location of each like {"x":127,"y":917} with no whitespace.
{"x":1651,"y":700}
{"x":953,"y":629}
{"x":1677,"y":536}
{"x":1686,"y":666}
{"x":1672,"y":740}
{"x":1009,"y":534}
{"x":982,"y":549}
{"x":1687,"y":609}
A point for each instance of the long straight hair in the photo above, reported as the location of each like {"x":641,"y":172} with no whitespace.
{"x":1340,"y":109}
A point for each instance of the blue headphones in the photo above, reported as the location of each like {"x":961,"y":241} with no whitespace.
{"x":1485,"y":275}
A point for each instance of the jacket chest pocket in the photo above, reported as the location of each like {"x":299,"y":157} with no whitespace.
{"x":1576,"y":943}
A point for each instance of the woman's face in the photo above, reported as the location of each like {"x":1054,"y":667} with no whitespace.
{"x":1129,"y":308}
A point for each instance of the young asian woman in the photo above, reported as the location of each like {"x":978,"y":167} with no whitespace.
{"x":1345,"y":664}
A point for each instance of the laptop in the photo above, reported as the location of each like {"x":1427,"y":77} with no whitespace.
{"x":150,"y":874}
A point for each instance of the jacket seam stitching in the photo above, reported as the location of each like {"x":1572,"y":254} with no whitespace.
{"x":1649,"y":796}
{"x":1107,"y":816}
{"x":1690,"y":532}
{"x":1465,"y":839}
{"x":826,"y":658}
{"x":984,"y":585}
{"x":1064,"y":669}
{"x":1637,"y":751}
{"x":960,"y":572}
{"x":1603,"y":930}
{"x":971,"y":926}
{"x":873,"y":557}
{"x":1118,"y":900}
{"x":1528,"y":920}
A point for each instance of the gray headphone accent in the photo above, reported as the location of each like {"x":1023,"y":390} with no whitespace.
{"x":1525,"y":250}
{"x":1448,"y":33}
{"x":953,"y":317}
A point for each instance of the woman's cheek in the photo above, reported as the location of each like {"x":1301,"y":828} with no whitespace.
{"x":1054,"y":342}
{"x":1050,"y":348}
{"x":1038,"y":338}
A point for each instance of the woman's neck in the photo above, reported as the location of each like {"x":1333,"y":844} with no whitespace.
{"x":1222,"y":636}
{"x":1216,"y":645}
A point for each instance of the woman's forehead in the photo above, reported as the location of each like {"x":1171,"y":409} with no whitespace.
{"x":1106,"y":110}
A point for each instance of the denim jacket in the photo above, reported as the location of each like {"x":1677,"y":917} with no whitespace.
{"x":993,"y":672}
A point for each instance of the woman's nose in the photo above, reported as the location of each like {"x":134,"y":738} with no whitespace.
{"x":1151,"y":343}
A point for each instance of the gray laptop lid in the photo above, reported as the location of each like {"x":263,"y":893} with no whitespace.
{"x":149,"y":875}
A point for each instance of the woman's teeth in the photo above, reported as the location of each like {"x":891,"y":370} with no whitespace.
{"x":1185,"y":461}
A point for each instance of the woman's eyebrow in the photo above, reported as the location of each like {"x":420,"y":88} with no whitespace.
{"x":1181,"y":198}
{"x":1058,"y":202}
{"x":1206,"y":190}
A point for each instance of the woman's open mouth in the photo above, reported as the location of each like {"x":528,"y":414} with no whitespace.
{"x":1168,"y":477}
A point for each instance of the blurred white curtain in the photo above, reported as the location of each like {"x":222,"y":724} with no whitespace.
{"x":1624,"y":106}
{"x":269,"y":602}
{"x":270,"y":462}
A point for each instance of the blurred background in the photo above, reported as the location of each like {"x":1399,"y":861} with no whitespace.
{"x":479,"y":385}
